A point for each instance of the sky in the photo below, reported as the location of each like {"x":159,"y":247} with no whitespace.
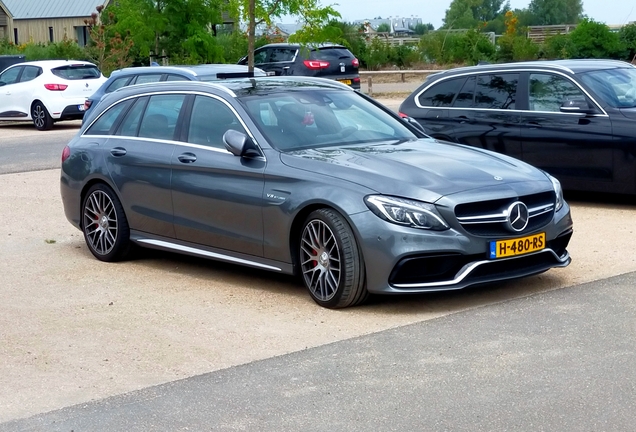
{"x":433,"y":11}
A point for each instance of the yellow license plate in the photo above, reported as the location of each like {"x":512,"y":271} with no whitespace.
{"x":518,"y":246}
{"x":347,"y":82}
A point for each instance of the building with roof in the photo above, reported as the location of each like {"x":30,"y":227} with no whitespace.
{"x":46,"y":21}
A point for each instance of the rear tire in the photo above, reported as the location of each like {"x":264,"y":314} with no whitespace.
{"x":41,"y":117}
{"x":104,"y":224}
{"x":330,"y":261}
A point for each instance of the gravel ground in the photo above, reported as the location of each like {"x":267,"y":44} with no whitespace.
{"x":73,"y":329}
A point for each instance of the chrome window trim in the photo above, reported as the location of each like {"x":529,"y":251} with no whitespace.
{"x":416,"y":99}
{"x":469,"y":268}
{"x":208,"y":254}
{"x":186,"y":92}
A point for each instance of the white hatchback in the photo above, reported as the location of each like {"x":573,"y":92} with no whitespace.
{"x":47,"y":91}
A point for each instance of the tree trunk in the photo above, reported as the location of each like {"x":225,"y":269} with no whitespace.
{"x":251,"y":36}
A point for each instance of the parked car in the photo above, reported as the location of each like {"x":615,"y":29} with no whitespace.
{"x":147,"y":74}
{"x":306,"y":176}
{"x":325,"y":61}
{"x":571,"y":118}
{"x":47,"y":91}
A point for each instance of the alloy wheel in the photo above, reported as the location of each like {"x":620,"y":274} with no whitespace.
{"x":100,"y":222}
{"x":320,"y":260}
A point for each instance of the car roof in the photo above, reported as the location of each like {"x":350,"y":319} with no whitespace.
{"x":236,"y":87}
{"x":569,"y":66}
{"x":53,"y":63}
{"x":310,"y":46}
{"x":192,"y":70}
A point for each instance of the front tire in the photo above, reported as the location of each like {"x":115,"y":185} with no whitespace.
{"x":331,"y":263}
{"x":41,"y":118}
{"x":104,"y":224}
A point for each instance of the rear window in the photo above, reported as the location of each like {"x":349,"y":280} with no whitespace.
{"x":77,"y":72}
{"x":330,"y":54}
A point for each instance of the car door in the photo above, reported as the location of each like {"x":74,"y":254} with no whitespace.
{"x":217,"y":197}
{"x":10,"y":105}
{"x":22,"y":91}
{"x":495,"y":120}
{"x":433,"y":108}
{"x":575,"y":148}
{"x":138,"y":159}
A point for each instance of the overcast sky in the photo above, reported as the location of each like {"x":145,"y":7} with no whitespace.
{"x":607,"y":11}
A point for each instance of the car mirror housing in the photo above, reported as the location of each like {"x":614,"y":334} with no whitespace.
{"x":240,"y":144}
{"x":576,"y":106}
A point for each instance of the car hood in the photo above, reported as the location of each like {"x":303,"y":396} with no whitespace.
{"x":422,"y":169}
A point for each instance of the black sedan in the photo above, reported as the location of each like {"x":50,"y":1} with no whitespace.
{"x":306,"y":176}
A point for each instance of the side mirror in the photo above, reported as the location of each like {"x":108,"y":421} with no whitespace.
{"x":576,"y":106}
{"x":415,"y":124}
{"x":240,"y":144}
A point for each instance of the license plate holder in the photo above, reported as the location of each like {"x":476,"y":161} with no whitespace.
{"x":517,"y":246}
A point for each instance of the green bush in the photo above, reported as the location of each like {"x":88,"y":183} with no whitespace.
{"x":627,"y":36}
{"x":592,"y":39}
{"x":444,"y":47}
{"x":557,"y":47}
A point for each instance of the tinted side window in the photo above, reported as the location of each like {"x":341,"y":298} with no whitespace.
{"x":546,"y":92}
{"x":173,"y":77}
{"x":281,"y":55}
{"x":118,"y":83}
{"x":130,"y":124}
{"x":29,"y":73}
{"x":465,"y":97}
{"x":442,"y":94}
{"x":148,"y":78}
{"x":160,"y":118}
{"x":261,"y":56}
{"x":496,"y":91}
{"x":10,"y":76}
{"x":105,"y":122}
{"x":211,"y":118}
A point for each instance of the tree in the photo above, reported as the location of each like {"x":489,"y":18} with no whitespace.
{"x":464,"y":14}
{"x":108,"y":48}
{"x":311,"y":14}
{"x":627,"y":36}
{"x":554,"y":12}
{"x":422,"y":29}
{"x":383,"y":28}
{"x":592,"y":39}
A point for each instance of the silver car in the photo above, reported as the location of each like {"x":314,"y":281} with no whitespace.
{"x":306,"y":176}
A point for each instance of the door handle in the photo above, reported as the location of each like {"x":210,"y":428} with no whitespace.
{"x":187,"y":158}
{"x":462,"y":119}
{"x":118,"y":151}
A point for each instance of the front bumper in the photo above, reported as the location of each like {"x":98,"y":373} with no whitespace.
{"x":408,"y":260}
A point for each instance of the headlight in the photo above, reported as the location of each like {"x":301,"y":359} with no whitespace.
{"x":558,"y":191}
{"x":406,"y":212}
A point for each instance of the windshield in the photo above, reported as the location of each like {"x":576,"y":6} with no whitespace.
{"x":322,"y":118}
{"x":616,"y":87}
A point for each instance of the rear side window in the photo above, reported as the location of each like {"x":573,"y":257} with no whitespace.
{"x":117,"y":84}
{"x":77,"y":72}
{"x":466,"y":95}
{"x":496,"y":91}
{"x":330,"y":54}
{"x":105,"y":122}
{"x":29,"y":73}
{"x":160,"y":118}
{"x":282,"y":55}
{"x":149,"y":78}
{"x":441,"y":94}
{"x":130,"y":124}
{"x":173,"y":77}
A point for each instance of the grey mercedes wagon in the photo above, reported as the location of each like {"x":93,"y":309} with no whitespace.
{"x":306,"y":176}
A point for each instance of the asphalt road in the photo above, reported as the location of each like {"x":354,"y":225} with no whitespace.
{"x":166,"y":342}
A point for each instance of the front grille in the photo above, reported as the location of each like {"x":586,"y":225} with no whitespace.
{"x":488,"y":218}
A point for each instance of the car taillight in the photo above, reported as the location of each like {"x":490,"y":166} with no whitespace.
{"x":87,"y":104}
{"x":357,"y":79}
{"x":355,"y":62}
{"x":401,"y":114}
{"x":66,"y":153}
{"x":55,"y":87}
{"x":316,"y":64}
